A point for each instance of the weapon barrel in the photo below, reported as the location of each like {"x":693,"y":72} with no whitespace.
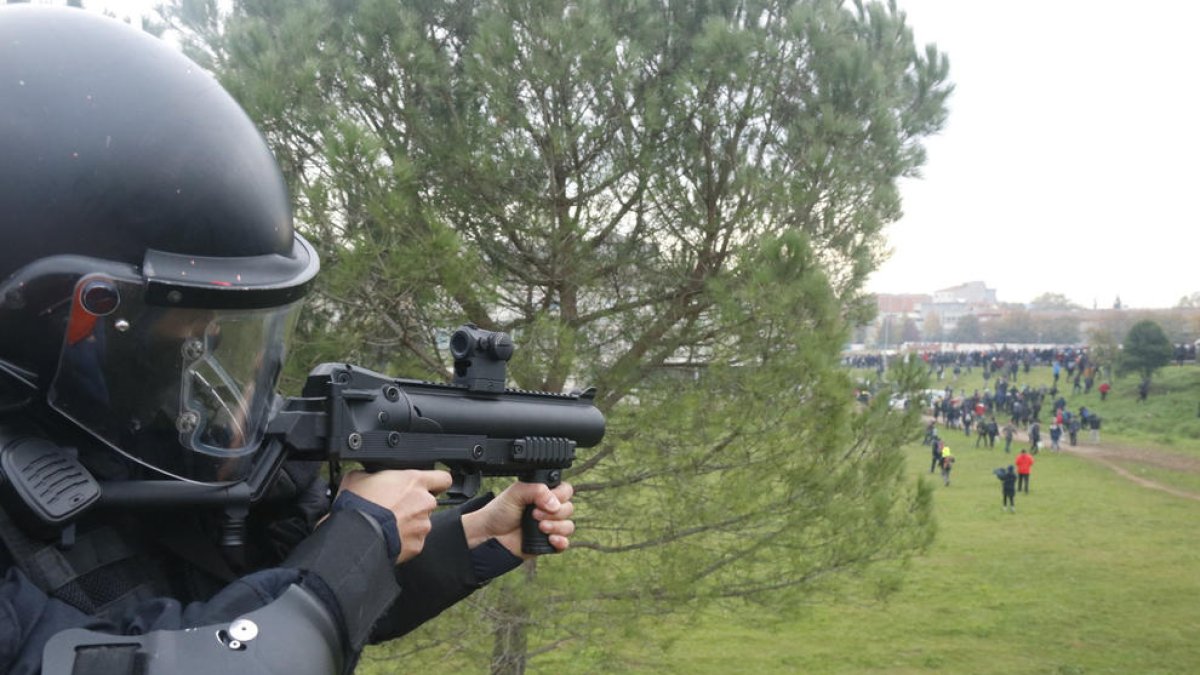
{"x":511,"y":414}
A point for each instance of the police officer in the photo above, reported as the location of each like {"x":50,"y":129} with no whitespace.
{"x":149,"y":278}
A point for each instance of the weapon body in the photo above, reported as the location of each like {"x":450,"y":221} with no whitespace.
{"x":474,"y":427}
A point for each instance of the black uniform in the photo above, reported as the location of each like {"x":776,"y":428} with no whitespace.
{"x":133,"y":573}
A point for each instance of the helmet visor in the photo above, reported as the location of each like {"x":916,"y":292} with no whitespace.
{"x":148,"y":379}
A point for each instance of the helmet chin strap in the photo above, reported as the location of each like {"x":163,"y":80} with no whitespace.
{"x":173,"y":477}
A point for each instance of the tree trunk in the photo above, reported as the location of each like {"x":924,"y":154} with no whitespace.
{"x":508,"y":649}
{"x":509,"y":639}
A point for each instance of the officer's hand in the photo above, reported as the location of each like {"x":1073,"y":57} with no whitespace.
{"x":501,"y":518}
{"x":409,"y":495}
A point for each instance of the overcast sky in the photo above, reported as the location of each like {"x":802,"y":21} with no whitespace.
{"x":1070,"y":160}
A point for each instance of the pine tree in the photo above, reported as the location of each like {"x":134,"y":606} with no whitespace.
{"x":676,"y":202}
{"x":1145,"y":350}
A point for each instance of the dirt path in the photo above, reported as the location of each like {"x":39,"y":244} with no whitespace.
{"x":1159,"y":459}
{"x":1100,"y":455}
{"x":1109,"y":455}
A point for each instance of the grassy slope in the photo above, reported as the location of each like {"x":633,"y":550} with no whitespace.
{"x":1092,"y":574}
{"x":1170,"y":420}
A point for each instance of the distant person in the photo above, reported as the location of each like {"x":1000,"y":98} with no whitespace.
{"x":1018,"y":412}
{"x":1104,"y":387}
{"x":936,"y":446}
{"x":1094,"y":425}
{"x":1073,"y":431}
{"x":1055,"y":436}
{"x":1009,"y":431}
{"x":1024,"y":467}
{"x":1035,"y":436}
{"x":1008,"y":488}
{"x":947,"y":464}
{"x":1143,"y":390}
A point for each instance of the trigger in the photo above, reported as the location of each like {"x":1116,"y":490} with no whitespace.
{"x":464,"y":486}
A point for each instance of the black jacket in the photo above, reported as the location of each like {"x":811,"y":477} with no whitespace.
{"x":1008,"y":482}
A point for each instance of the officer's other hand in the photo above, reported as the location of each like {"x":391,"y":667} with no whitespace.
{"x":501,"y":517}
{"x":409,"y":495}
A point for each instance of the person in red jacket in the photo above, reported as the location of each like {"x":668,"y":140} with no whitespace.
{"x":1024,"y":466}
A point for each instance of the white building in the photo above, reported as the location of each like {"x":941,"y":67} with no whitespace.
{"x":970,"y":293}
{"x":952,"y":304}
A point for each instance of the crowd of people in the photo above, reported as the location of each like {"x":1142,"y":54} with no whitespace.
{"x":1013,"y":479}
{"x":1019,"y":408}
{"x":1015,"y":360}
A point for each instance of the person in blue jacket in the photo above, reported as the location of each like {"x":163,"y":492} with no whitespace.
{"x":146,"y":225}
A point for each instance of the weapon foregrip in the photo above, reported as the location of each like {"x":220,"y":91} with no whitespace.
{"x":533,"y":540}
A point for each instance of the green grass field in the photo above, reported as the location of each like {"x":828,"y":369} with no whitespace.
{"x":1093,"y":574}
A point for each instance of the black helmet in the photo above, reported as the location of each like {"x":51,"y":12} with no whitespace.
{"x":149,"y":273}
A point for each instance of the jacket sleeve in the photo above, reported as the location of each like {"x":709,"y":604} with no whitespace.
{"x":445,"y":572}
{"x":355,"y":588}
{"x":430,"y":583}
